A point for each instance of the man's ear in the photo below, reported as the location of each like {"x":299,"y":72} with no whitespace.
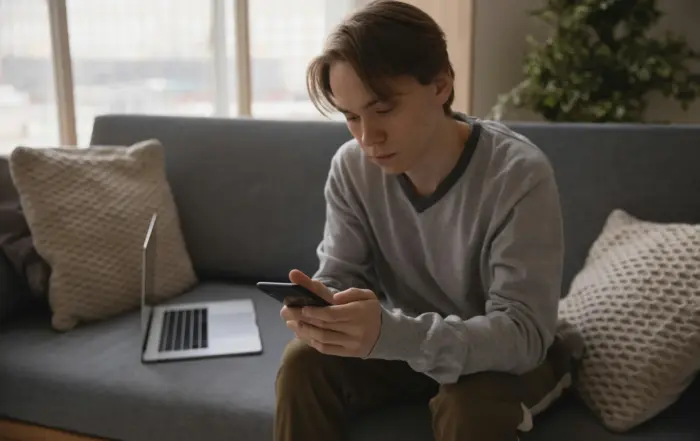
{"x":443,"y":86}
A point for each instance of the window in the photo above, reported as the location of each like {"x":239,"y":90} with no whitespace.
{"x":167,"y":57}
{"x":284,"y":36}
{"x":27,"y":94}
{"x":150,"y":56}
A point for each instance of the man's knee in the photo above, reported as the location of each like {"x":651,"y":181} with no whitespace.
{"x":478,"y":405}
{"x":307,"y":404}
{"x":299,"y":361}
{"x":479,"y":393}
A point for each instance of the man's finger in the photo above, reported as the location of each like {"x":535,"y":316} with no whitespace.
{"x":327,"y":349}
{"x":294,"y":327}
{"x":353,"y":295}
{"x":315,"y":286}
{"x":300,"y":278}
{"x":342,"y":327}
{"x":288,"y":313}
{"x":333,"y":313}
{"x":321,"y":335}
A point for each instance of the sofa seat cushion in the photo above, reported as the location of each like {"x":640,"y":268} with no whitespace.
{"x":91,"y":381}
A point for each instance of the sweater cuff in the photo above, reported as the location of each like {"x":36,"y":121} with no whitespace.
{"x":397,"y":337}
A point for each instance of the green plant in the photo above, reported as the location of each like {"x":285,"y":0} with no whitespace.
{"x":600,"y":64}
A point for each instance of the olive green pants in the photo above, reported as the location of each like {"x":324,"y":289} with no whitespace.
{"x":317,"y":393}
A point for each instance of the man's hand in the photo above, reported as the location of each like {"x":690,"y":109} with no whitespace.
{"x":349,"y":327}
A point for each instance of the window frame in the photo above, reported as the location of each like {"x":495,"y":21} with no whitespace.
{"x":461,"y":36}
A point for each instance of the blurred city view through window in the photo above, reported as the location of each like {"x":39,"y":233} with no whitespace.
{"x":167,"y":57}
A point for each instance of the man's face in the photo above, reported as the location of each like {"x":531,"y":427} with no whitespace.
{"x":394,"y":134}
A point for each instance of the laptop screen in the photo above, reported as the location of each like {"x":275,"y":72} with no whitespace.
{"x":148,"y":269}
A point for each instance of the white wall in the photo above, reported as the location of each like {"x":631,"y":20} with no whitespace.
{"x":499,"y":45}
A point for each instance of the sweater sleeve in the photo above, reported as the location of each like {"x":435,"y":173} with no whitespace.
{"x":344,"y":252}
{"x":519,"y":324}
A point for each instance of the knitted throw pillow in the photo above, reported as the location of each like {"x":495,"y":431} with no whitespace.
{"x":88,"y":211}
{"x":636,"y":304}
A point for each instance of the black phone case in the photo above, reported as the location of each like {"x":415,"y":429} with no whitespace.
{"x":291,"y":295}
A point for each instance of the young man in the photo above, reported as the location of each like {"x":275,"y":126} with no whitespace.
{"x":452,"y":222}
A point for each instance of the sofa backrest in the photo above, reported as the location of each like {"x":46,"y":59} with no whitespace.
{"x":651,"y":171}
{"x":250,"y":192}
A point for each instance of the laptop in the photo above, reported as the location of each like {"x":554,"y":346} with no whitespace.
{"x":179,"y":331}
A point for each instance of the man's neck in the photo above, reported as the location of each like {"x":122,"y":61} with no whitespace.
{"x":441,"y":157}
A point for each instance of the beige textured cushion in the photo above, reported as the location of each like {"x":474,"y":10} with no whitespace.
{"x":88,"y":211}
{"x":636,"y":303}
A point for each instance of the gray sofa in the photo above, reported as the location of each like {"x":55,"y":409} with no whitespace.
{"x":250,"y":198}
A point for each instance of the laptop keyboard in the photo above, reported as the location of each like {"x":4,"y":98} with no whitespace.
{"x":184,"y":329}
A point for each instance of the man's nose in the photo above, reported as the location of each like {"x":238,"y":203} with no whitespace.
{"x":372,"y":135}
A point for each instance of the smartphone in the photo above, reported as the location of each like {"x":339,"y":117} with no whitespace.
{"x":291,"y":294}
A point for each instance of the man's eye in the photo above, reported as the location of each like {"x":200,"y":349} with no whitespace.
{"x":387,"y":110}
{"x":351,"y":117}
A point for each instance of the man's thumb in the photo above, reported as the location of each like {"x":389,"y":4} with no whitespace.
{"x":323,"y":291}
{"x":315,"y":286}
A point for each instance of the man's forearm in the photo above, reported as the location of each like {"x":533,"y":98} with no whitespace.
{"x":446,"y":348}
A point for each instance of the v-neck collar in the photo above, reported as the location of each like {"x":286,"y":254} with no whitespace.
{"x":423,"y":202}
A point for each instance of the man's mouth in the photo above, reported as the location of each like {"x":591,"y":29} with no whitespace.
{"x":385,"y":156}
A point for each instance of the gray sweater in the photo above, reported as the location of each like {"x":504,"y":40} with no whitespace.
{"x":470,"y":276}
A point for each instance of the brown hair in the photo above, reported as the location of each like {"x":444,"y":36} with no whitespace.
{"x":384,"y":39}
